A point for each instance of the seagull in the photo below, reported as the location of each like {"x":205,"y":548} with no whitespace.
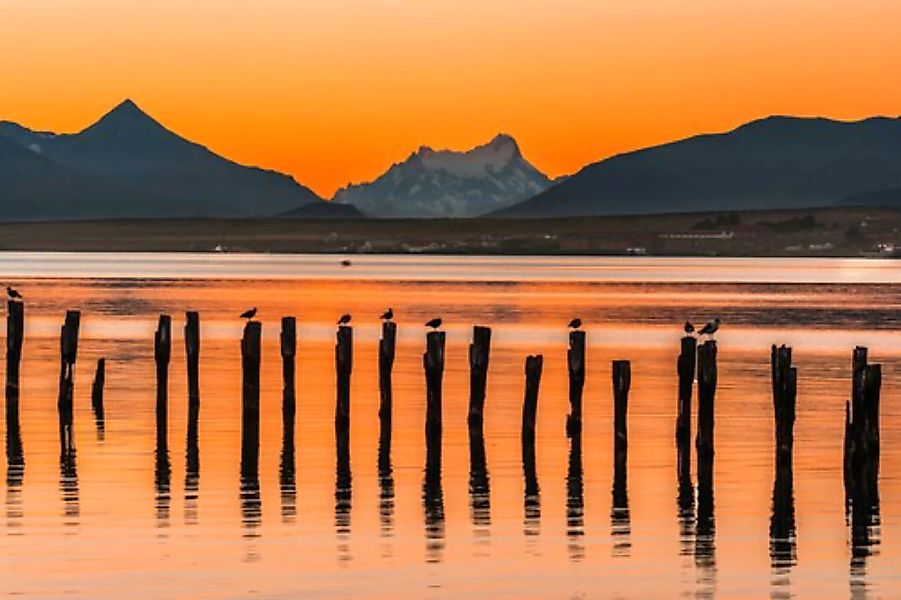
{"x":249,"y":314}
{"x":344,"y":320}
{"x":388,"y":315}
{"x":575,"y":323}
{"x":689,"y":327}
{"x":434,"y":323}
{"x":710,"y":328}
{"x":13,"y":294}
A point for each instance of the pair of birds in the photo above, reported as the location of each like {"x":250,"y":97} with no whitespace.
{"x":709,"y":329}
{"x":345,"y":319}
{"x":13,"y":294}
{"x":388,"y":315}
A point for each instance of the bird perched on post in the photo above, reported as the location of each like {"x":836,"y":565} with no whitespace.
{"x":249,"y":314}
{"x":388,"y":315}
{"x":434,"y":323}
{"x":575,"y":323}
{"x":710,"y":328}
{"x":689,"y":327}
{"x":344,"y":320}
{"x":13,"y":294}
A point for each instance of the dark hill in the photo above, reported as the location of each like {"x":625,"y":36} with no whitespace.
{"x":778,"y":162}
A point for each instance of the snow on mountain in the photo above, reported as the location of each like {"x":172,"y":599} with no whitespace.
{"x":446,"y":183}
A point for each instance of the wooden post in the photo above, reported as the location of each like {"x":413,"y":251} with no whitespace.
{"x":620,"y":518}
{"x":192,"y":354}
{"x":531,"y":491}
{"x":386,"y":395}
{"x":250,"y":400}
{"x":433,"y":362}
{"x":97,"y":396}
{"x":686,"y":369}
{"x":862,"y":414}
{"x":872,"y":385}
{"x":162,"y":350}
{"x":343,"y":368}
{"x":15,"y":327}
{"x":15,"y":335}
{"x":479,"y":485}
{"x":785,"y":387}
{"x":288,"y":343}
{"x":479,"y":356}
{"x":707,"y":376}
{"x":68,"y":342}
{"x":575,"y":360}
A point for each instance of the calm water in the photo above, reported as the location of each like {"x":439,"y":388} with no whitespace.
{"x":123,"y":517}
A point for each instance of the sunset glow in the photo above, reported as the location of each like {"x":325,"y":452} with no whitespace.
{"x":335,"y":91}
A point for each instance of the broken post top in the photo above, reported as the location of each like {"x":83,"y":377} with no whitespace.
{"x":480,"y":347}
{"x":288,"y":337}
{"x":69,"y":336}
{"x":434,"y":354}
{"x":192,"y":332}
{"x":575,"y":356}
{"x":162,"y":346}
{"x":250,"y":343}
{"x":622,"y":375}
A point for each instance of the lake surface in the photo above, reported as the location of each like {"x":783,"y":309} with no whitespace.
{"x":121,"y":519}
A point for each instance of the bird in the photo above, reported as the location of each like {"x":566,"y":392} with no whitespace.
{"x":346,"y":262}
{"x":434,"y":323}
{"x":710,"y":328}
{"x":13,"y":294}
{"x":575,"y":323}
{"x":344,"y":320}
{"x":689,"y":327}
{"x":388,"y":314}
{"x":249,"y":314}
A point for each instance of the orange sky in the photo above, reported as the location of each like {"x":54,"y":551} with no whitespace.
{"x":336,"y":90}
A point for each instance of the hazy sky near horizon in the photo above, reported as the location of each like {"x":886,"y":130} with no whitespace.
{"x":334,"y":91}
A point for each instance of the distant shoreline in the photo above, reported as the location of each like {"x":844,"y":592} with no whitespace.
{"x":824,"y":232}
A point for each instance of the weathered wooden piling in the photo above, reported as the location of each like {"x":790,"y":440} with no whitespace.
{"x":386,"y":364}
{"x":192,"y":355}
{"x":622,"y":382}
{"x":97,"y":396}
{"x":343,"y":368}
{"x":162,"y":351}
{"x":15,"y":327}
{"x":534,"y":366}
{"x":479,"y":357}
{"x":785,"y":389}
{"x":575,"y":361}
{"x":620,"y":518}
{"x":783,"y":532}
{"x":685,"y":366}
{"x":68,"y":342}
{"x":433,"y":361}
{"x":250,"y":400}
{"x":15,"y":335}
{"x":288,"y":345}
{"x":707,"y":377}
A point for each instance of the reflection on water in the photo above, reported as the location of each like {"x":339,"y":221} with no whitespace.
{"x":468,"y":512}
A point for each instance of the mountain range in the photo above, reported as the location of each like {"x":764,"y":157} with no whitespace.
{"x":129,"y":165}
{"x":777,"y":162}
{"x":445,"y":183}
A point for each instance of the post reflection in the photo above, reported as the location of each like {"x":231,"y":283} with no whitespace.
{"x":864,"y":520}
{"x":620,"y":519}
{"x":705,"y":529}
{"x":685,"y":499}
{"x":15,"y":462}
{"x":192,"y":468}
{"x":575,"y":499}
{"x":783,"y":534}
{"x":162,"y":473}
{"x":531,"y":490}
{"x":68,"y":486}
{"x":433,"y":510}
{"x":479,"y":484}
{"x":343,"y":493}
{"x":287,"y":472}
{"x":386,"y":481}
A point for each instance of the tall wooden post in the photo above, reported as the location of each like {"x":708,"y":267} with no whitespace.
{"x":575,"y":360}
{"x":15,"y":328}
{"x":250,"y":400}
{"x":68,"y":342}
{"x":531,"y":491}
{"x":479,"y":357}
{"x":162,"y":351}
{"x":433,"y":362}
{"x":192,"y":355}
{"x":686,"y":369}
{"x":707,"y":377}
{"x":288,"y":344}
{"x":97,"y":397}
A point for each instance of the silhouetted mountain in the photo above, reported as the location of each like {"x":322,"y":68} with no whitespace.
{"x":129,"y":165}
{"x":445,"y":183}
{"x":889,"y":197}
{"x":324,"y":210}
{"x":778,"y":162}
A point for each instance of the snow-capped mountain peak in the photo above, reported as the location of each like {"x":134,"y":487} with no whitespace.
{"x":449,"y":183}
